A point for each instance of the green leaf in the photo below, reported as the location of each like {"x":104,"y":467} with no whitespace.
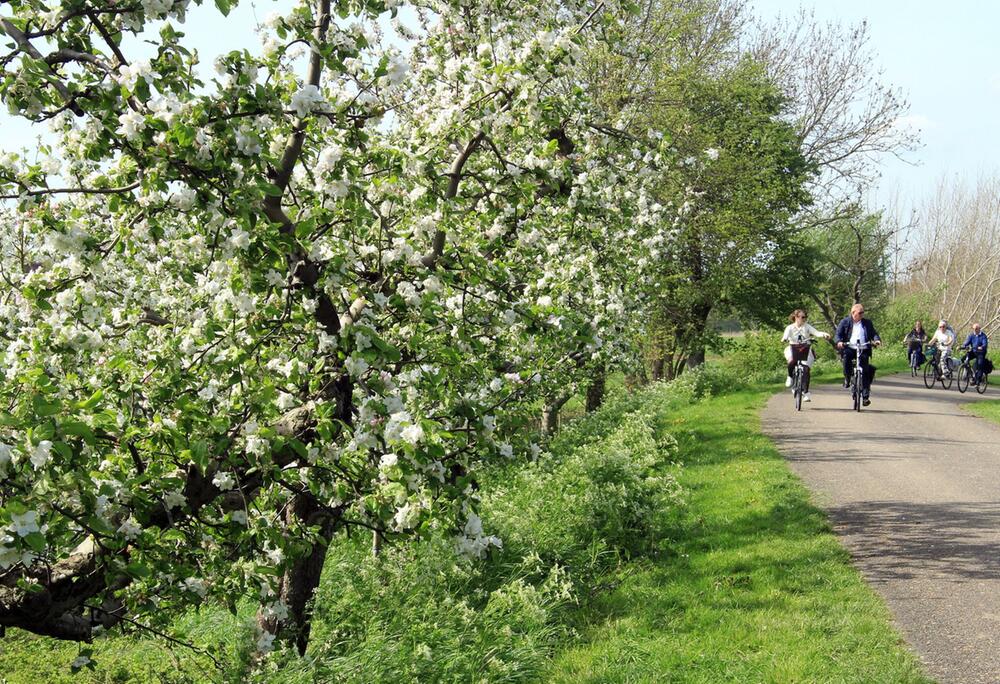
{"x":15,"y":507}
{"x":138,"y":570}
{"x":78,"y":429}
{"x":36,"y":541}
{"x":93,"y":401}
{"x":224,"y":6}
{"x":270,"y":189}
{"x":43,"y":407}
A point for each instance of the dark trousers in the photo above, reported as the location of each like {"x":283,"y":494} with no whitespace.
{"x":800,"y":352}
{"x":869,"y":372}
{"x":980,"y":357}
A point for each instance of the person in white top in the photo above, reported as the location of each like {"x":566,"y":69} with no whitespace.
{"x":798,"y":334}
{"x":942,"y":340}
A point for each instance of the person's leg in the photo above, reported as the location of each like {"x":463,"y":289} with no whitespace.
{"x":848,"y":358}
{"x":980,"y":362}
{"x":868,"y":372}
{"x":805,"y":379}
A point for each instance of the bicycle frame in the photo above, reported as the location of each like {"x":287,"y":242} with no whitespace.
{"x":857,"y":378}
{"x":798,"y":379}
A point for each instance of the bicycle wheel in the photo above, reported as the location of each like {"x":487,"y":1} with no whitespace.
{"x":930,"y":374}
{"x":856,"y":392}
{"x":964,"y":377}
{"x":947,"y":376}
{"x":981,"y":387}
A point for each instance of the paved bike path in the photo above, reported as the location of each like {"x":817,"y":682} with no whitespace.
{"x":912,"y":488}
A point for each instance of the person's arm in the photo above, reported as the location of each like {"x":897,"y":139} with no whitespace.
{"x":784,"y":335}
{"x":817,"y":333}
{"x":876,"y":340}
{"x":839,"y":336}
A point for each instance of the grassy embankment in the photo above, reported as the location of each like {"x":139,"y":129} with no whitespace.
{"x":610,"y":572}
{"x":756,"y":588}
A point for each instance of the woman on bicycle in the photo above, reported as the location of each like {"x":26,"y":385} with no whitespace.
{"x":915,"y":342}
{"x":798,"y":334}
{"x":941,"y":340}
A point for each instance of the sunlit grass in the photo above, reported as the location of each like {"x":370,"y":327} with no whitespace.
{"x":755,"y":587}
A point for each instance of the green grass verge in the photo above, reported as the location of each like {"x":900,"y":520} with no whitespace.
{"x":755,"y":587}
{"x":989,"y":409}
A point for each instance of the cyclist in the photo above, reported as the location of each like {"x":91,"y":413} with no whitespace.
{"x":977,"y":344}
{"x":858,"y":330}
{"x":798,"y":334}
{"x":941,"y":341}
{"x":915,"y":342}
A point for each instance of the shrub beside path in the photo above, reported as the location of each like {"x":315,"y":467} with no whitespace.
{"x":912,"y":488}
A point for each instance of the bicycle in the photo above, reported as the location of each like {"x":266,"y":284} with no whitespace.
{"x":799,"y":378}
{"x":966,"y":373}
{"x":857,"y":377}
{"x":914,"y":361}
{"x":933,"y":372}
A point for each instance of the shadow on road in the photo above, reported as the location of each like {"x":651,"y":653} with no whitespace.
{"x":895,"y":540}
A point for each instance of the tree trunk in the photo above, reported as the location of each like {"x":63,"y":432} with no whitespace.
{"x":595,"y":393}
{"x":550,"y":413}
{"x":298,"y":585}
{"x":699,"y":324}
{"x":696,"y":358}
{"x":658,"y":365}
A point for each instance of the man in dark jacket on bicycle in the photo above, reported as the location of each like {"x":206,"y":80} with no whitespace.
{"x":977,"y":344}
{"x":853,"y":331}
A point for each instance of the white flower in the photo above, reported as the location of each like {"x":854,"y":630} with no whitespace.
{"x":239,"y":238}
{"x":307,"y":99}
{"x":240,"y":517}
{"x":130,"y":529}
{"x":223,"y":480}
{"x":285,"y":401}
{"x":132,"y":123}
{"x":265,"y":642}
{"x":25,"y":523}
{"x":355,"y":365}
{"x":398,"y":67}
{"x":712,"y":153}
{"x":388,"y":460}
{"x":406,"y":517}
{"x":195,"y":585}
{"x":474,"y":526}
{"x":277,"y":610}
{"x":41,"y":454}
{"x":79,"y":662}
{"x":208,"y":392}
{"x":173,"y":499}
{"x":412,"y":434}
{"x":506,"y":450}
{"x":545,"y":300}
{"x":257,"y":445}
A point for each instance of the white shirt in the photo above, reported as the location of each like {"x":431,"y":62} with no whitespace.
{"x":942,"y":337}
{"x":800,"y":334}
{"x":858,"y":334}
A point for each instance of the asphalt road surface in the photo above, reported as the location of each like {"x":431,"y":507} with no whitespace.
{"x":912,"y":488}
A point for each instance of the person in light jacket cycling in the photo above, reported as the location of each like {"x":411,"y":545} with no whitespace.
{"x":798,"y":334}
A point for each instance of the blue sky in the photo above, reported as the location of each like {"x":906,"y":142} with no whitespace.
{"x":944,"y":56}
